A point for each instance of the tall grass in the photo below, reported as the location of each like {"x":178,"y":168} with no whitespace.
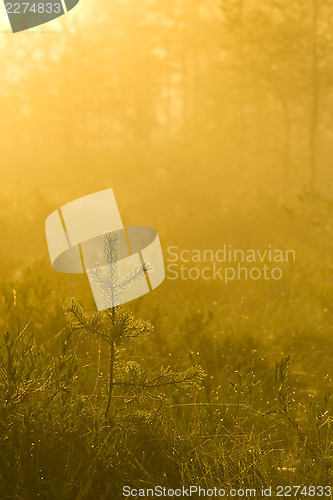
{"x":231,"y":386}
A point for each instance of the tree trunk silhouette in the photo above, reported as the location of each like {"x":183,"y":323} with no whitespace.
{"x":314,"y":116}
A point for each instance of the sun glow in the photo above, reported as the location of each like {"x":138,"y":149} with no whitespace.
{"x":4,"y":21}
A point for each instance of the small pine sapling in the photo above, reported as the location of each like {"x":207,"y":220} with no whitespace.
{"x":116,"y":327}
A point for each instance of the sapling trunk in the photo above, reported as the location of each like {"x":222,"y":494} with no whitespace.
{"x":112,"y":359}
{"x":110,"y":389}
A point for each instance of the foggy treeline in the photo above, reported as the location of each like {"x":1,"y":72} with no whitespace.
{"x":180,"y":106}
{"x":220,"y":92}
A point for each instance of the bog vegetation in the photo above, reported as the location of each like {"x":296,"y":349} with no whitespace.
{"x":212,"y":121}
{"x":202,"y":384}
